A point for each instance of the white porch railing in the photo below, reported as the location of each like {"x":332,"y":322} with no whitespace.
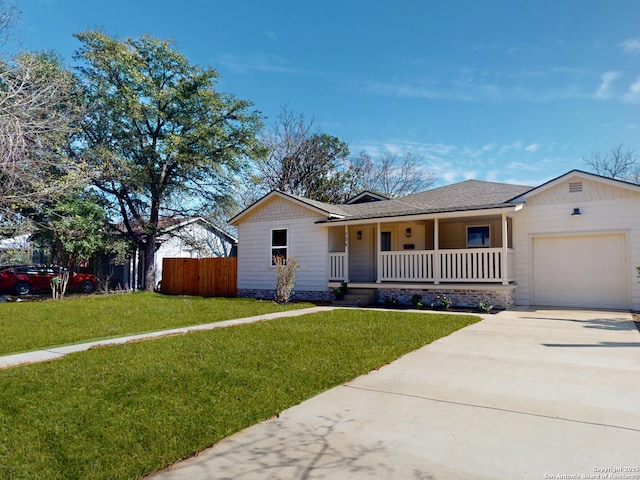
{"x":407,"y":266}
{"x":472,"y":265}
{"x":455,"y":265}
{"x":336,"y":265}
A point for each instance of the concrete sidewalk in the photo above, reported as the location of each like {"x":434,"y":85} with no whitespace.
{"x":59,"y":352}
{"x":525,"y":394}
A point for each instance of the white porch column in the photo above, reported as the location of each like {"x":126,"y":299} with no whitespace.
{"x":505,"y":239}
{"x":378,"y":254}
{"x":436,"y":252}
{"x":346,"y":253}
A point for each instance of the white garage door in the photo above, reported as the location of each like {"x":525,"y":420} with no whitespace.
{"x":580,"y":271}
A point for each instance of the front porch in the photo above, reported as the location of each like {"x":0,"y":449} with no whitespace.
{"x":469,"y":247}
{"x":466,"y":256}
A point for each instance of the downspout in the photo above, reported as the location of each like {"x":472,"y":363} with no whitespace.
{"x":346,"y":253}
{"x":378,"y":254}
{"x":505,"y":239}
{"x":436,"y":251}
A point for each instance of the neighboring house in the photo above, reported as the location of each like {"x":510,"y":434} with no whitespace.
{"x":16,"y":249}
{"x":179,"y":238}
{"x":573,"y":241}
{"x":20,"y":249}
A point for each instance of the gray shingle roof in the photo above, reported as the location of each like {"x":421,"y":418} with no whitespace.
{"x":467,"y":195}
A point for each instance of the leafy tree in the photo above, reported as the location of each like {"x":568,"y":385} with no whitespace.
{"x":619,"y":163}
{"x":302,"y":161}
{"x":74,"y":227}
{"x":160,"y":139}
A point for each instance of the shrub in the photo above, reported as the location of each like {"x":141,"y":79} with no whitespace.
{"x":286,"y":270}
{"x":417,"y":301}
{"x":442,"y":301}
{"x":485,"y":305}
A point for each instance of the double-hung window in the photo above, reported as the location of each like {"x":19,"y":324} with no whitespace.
{"x":279,"y":244}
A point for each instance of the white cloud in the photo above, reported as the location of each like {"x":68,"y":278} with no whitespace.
{"x":633,"y":94}
{"x":449,"y":176}
{"x":530,"y":167}
{"x":631,"y":45}
{"x":491,"y":162}
{"x":259,"y":62}
{"x":604,"y":91}
{"x":517,"y":145}
{"x":534,"y":147}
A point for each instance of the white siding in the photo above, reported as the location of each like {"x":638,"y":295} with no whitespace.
{"x":308,"y":243}
{"x":604,"y":209}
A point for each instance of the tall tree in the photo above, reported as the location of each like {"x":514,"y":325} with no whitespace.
{"x":393,"y":175}
{"x":302,"y":160}
{"x":620,"y":163}
{"x":305,"y":161}
{"x":160,"y":139}
{"x":38,"y":107}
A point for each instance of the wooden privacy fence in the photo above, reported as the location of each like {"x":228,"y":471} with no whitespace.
{"x":206,"y":277}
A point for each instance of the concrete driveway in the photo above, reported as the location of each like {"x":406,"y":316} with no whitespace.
{"x":525,"y":394}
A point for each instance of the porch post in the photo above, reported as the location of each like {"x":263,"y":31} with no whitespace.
{"x":378,"y":254}
{"x":505,"y":240}
{"x":346,"y":254}
{"x":436,"y":252}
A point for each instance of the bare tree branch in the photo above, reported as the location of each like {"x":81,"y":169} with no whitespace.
{"x":38,"y":107}
{"x":620,"y":163}
{"x":394,"y":175}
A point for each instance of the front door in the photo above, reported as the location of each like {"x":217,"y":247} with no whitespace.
{"x":362,"y":253}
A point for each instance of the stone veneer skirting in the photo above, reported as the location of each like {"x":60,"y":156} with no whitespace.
{"x":501,"y":297}
{"x":267,"y":294}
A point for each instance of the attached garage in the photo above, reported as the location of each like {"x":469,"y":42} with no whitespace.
{"x":581,"y":271}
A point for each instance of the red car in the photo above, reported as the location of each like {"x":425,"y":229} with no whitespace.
{"x":24,"y":279}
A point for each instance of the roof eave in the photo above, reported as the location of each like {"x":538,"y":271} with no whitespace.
{"x":277,"y":193}
{"x":467,"y":212}
{"x":574,"y":173}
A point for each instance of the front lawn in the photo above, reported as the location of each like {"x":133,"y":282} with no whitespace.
{"x":37,"y":325}
{"x":124,"y":411}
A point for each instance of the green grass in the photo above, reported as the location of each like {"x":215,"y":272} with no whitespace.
{"x":28,"y":326}
{"x":122,"y":412}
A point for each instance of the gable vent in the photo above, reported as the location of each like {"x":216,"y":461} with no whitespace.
{"x":575,"y":187}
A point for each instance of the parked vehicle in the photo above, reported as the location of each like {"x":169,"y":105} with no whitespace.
{"x":25,"y":279}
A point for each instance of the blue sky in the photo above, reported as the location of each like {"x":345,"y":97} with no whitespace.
{"x":507,"y":91}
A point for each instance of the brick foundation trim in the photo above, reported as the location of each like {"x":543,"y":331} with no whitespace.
{"x":267,"y":294}
{"x":502,"y":298}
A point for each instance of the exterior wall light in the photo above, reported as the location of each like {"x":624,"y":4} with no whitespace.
{"x":408,"y":232}
{"x":359,"y":234}
{"x":576,"y":211}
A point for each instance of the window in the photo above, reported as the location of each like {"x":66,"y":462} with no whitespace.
{"x":478,"y":236}
{"x":279,"y":244}
{"x":385,"y":241}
